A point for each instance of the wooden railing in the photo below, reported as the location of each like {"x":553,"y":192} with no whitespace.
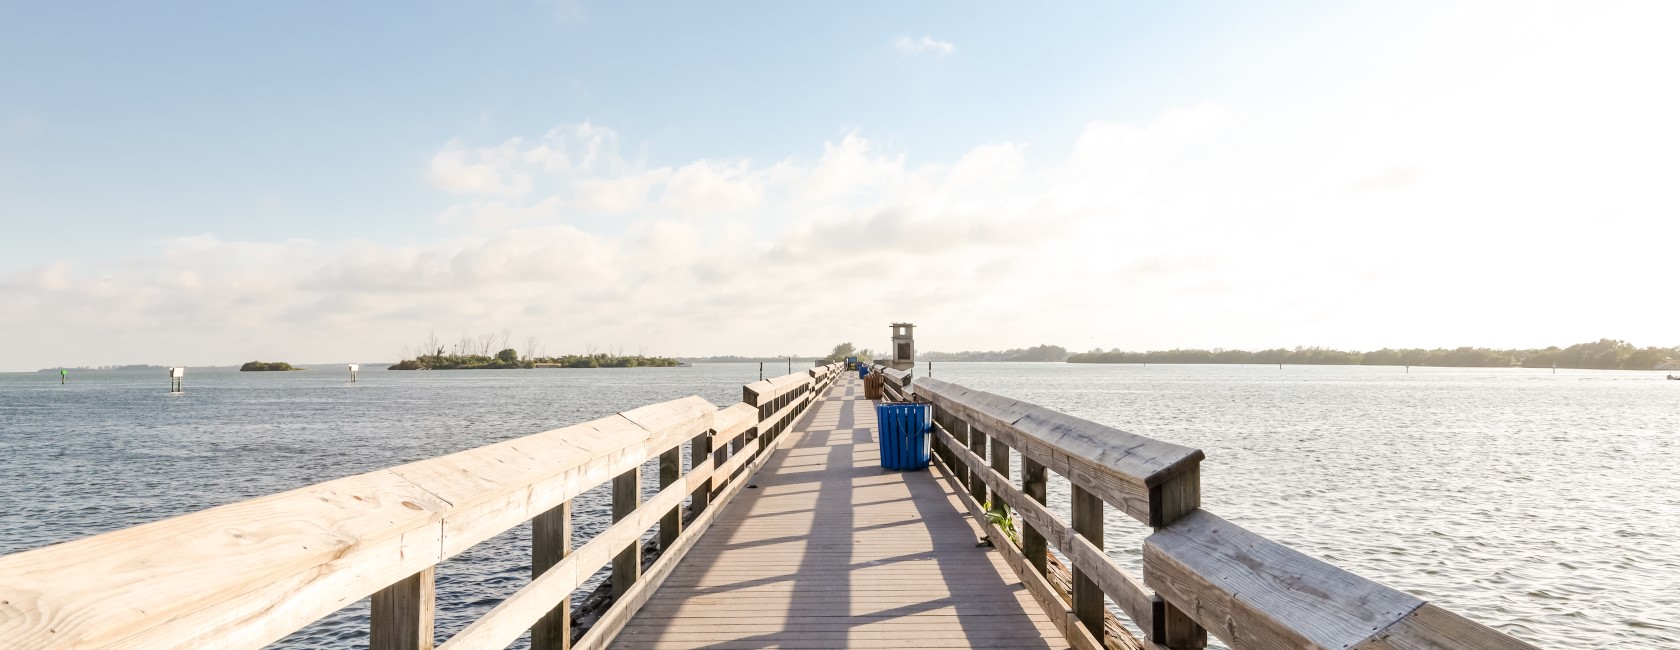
{"x":246,"y":574}
{"x":1201,"y":573}
{"x":897,"y":386}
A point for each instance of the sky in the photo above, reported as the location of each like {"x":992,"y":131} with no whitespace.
{"x":211,"y":183}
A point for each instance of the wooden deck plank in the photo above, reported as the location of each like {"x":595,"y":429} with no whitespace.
{"x":830,"y":551}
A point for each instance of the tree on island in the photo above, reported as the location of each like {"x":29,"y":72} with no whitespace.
{"x":846,"y":349}
{"x":266,"y":366}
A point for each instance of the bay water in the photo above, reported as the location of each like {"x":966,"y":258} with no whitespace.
{"x":1543,"y":504}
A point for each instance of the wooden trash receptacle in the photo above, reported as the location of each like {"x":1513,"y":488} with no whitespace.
{"x":874,"y":386}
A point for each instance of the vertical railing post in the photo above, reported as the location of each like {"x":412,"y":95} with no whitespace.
{"x":670,"y":471}
{"x":959,"y":433}
{"x":977,"y":440}
{"x":401,"y":616}
{"x":551,"y":540}
{"x":1032,"y":539}
{"x":1170,"y":501}
{"x":698,"y":451}
{"x":776,"y":406}
{"x":1000,"y":461}
{"x":750,"y":396}
{"x":722,"y":450}
{"x":627,"y":564}
{"x":1088,"y":603}
{"x":800,"y":398}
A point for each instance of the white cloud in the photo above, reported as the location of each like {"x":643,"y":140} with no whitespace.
{"x":928,"y":44}
{"x":583,"y":172}
{"x":512,"y":167}
{"x":709,"y":187}
{"x":482,"y":171}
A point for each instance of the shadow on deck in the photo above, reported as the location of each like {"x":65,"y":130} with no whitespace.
{"x":832,"y":551}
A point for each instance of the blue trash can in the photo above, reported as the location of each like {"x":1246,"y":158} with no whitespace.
{"x":863,"y":371}
{"x":905,"y":435}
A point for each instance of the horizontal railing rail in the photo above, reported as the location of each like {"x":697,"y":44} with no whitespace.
{"x":246,"y":574}
{"x":1201,"y":573}
{"x":897,"y":384}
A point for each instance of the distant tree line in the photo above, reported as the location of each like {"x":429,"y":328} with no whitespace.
{"x":509,"y":358}
{"x":473,"y":353}
{"x":1035,"y":353}
{"x":138,"y":366}
{"x":1607,"y":354}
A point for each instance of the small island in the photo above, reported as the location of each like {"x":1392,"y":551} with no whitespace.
{"x":266,"y":366}
{"x":509,"y":358}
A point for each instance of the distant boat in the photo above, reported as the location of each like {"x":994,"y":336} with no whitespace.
{"x":1674,"y":378}
{"x":685,"y":364}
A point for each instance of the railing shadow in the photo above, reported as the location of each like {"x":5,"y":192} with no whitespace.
{"x":845,"y":588}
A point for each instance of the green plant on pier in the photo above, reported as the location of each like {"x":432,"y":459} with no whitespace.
{"x":998,"y":514}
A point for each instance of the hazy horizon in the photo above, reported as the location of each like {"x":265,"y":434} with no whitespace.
{"x":747,"y":358}
{"x":268,"y":182}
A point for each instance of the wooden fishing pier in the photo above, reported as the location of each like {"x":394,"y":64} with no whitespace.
{"x":776,"y":528}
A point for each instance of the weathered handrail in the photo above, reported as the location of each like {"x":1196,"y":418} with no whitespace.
{"x":246,"y":574}
{"x":1202,"y":573}
{"x":897,"y":384}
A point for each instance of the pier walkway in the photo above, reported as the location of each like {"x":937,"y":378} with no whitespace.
{"x":831,"y":551}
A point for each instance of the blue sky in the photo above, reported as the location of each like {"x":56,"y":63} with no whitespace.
{"x":268,"y":121}
{"x":208,"y":181}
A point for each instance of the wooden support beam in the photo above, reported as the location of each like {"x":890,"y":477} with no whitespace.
{"x":627,"y":564}
{"x":937,"y":446}
{"x":698,"y":451}
{"x":551,"y":540}
{"x":402,"y":614}
{"x":1087,"y":595}
{"x":959,"y":432}
{"x":1000,"y":457}
{"x":1033,"y":483}
{"x":977,"y":440}
{"x":722,"y":452}
{"x":670,"y":471}
{"x":1170,"y":501}
{"x":1176,"y":497}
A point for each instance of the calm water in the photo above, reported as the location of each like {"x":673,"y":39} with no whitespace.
{"x":1545,"y":505}
{"x":1542,"y":504}
{"x":113,"y":449}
